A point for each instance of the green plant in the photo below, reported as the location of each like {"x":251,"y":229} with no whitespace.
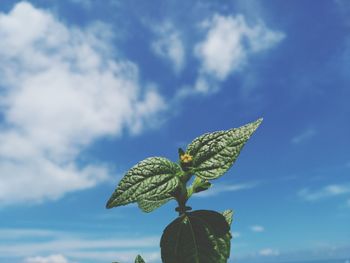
{"x":193,"y":237}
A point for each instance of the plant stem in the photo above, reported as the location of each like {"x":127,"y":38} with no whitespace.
{"x":182,"y":195}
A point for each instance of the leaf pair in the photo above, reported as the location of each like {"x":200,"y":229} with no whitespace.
{"x":153,"y":181}
{"x":201,"y":236}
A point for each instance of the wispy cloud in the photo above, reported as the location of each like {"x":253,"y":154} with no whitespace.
{"x":269,"y":252}
{"x":169,"y":45}
{"x":84,"y":3}
{"x":343,"y":7}
{"x":257,"y":228}
{"x":217,"y":189}
{"x":325,"y":192}
{"x":236,"y":235}
{"x":304,"y":136}
{"x":314,"y":253}
{"x":348,"y":203}
{"x":19,"y":233}
{"x":60,"y":92}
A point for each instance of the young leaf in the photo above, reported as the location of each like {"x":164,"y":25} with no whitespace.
{"x":214,"y":153}
{"x":196,"y":237}
{"x":150,"y":181}
{"x":200,"y":185}
{"x":139,"y":259}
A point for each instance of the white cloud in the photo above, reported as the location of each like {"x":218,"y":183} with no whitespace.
{"x":269,"y":252}
{"x":305,"y":135}
{"x":169,"y":45}
{"x":257,"y":228}
{"x":48,"y":259}
{"x":325,"y":192}
{"x":228,"y":44}
{"x":60,"y":91}
{"x":217,"y":189}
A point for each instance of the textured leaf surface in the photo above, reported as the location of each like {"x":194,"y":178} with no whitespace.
{"x":228,"y":214}
{"x":214,"y":153}
{"x":224,"y":243}
{"x":139,"y":259}
{"x":148,"y":204}
{"x":196,"y":237}
{"x":150,"y":183}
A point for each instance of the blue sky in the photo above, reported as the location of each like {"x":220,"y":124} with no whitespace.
{"x":90,"y":88}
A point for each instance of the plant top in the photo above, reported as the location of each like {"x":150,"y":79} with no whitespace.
{"x":201,"y":236}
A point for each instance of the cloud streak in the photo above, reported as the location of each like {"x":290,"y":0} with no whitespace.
{"x":268,"y":252}
{"x":222,"y":188}
{"x":49,"y":259}
{"x":325,"y":192}
{"x":304,"y":136}
{"x":257,"y":228}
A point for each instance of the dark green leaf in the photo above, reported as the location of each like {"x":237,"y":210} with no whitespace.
{"x":150,"y":183}
{"x":139,"y":259}
{"x":214,"y":153}
{"x":196,"y":237}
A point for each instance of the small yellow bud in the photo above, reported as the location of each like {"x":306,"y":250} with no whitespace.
{"x":186,"y":158}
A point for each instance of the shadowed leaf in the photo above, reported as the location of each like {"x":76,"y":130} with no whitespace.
{"x":196,"y":237}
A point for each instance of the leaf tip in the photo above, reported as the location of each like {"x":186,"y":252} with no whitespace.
{"x":255,"y":125}
{"x":258,"y":122}
{"x":109,"y":203}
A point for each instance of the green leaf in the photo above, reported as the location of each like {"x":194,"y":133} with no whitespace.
{"x":214,"y":153}
{"x":139,"y":259}
{"x":148,"y":204}
{"x":199,"y":185}
{"x":150,"y":183}
{"x":228,"y":214}
{"x":224,"y":243}
{"x":196,"y":237}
